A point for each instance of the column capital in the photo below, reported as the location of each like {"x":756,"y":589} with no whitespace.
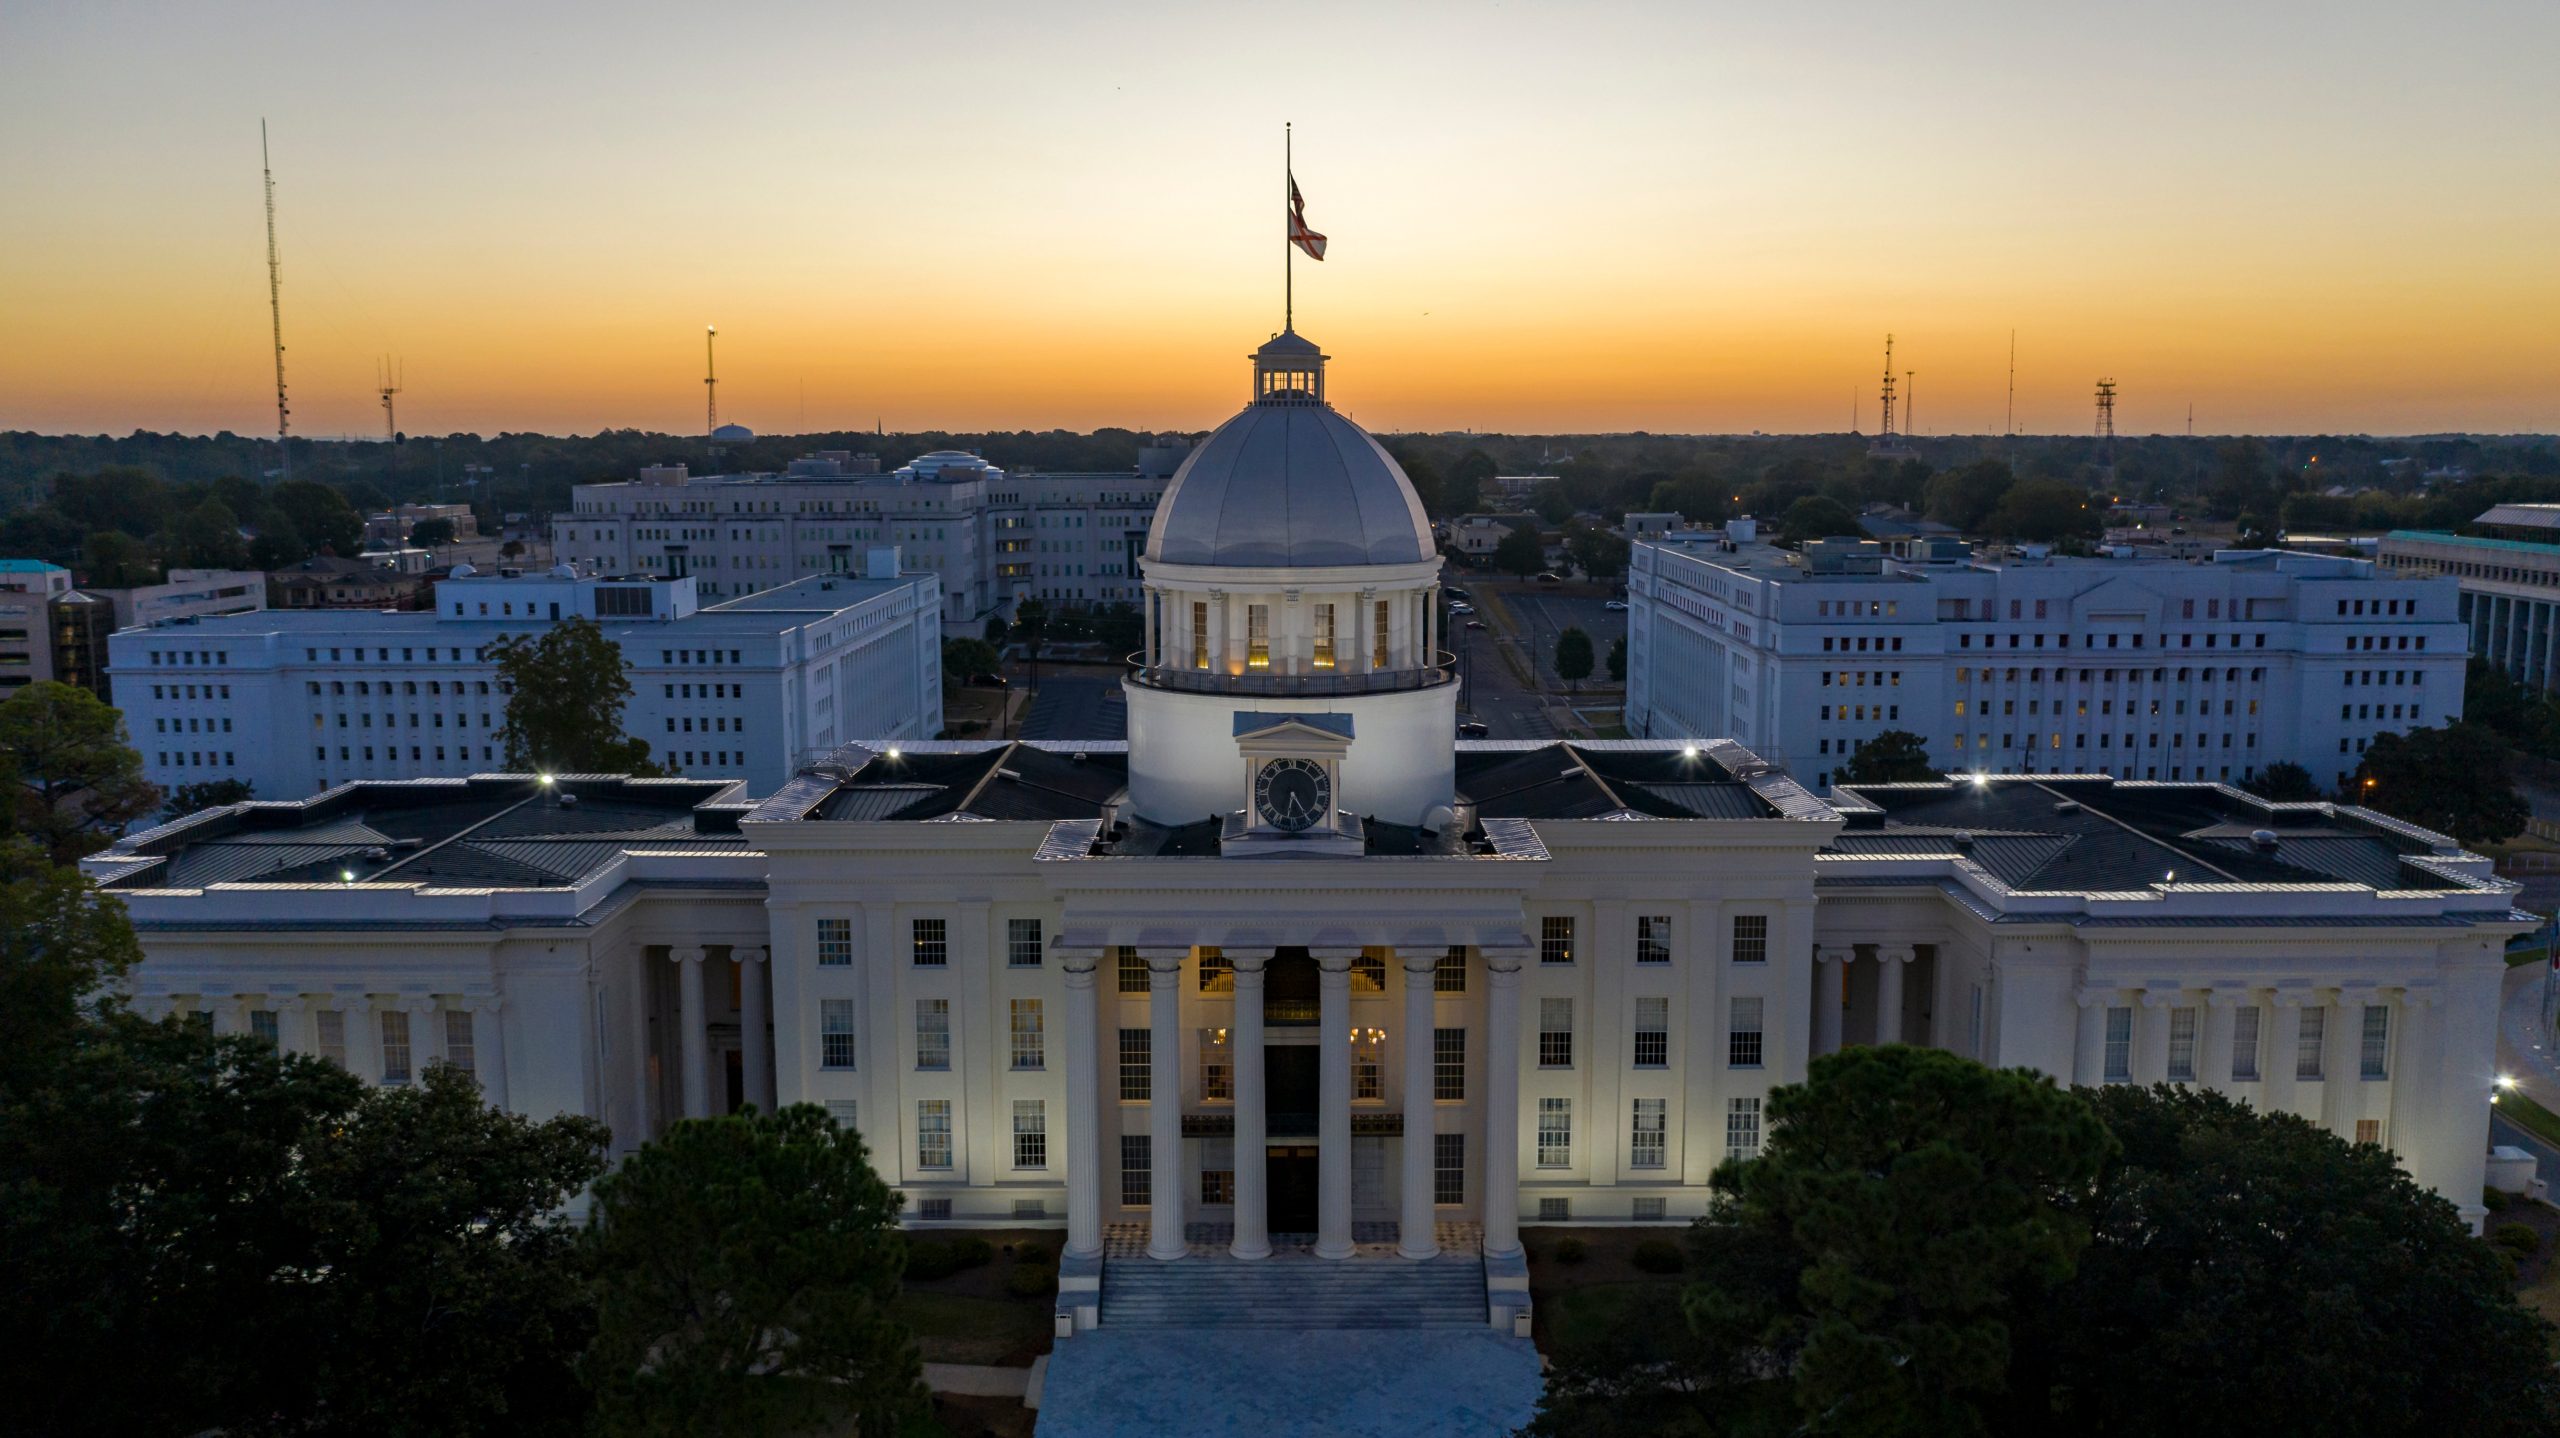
{"x":287,"y":1004}
{"x":1418,"y":964}
{"x":1163,"y":959}
{"x":1895,"y":954}
{"x":2293,"y":998}
{"x":480,"y":1003}
{"x":1503,"y":965}
{"x":1334,"y":959}
{"x":351,"y":1003}
{"x":2228,"y":998}
{"x":420,"y":1003}
{"x":684,"y":954}
{"x":752,"y":954}
{"x":2094,"y":998}
{"x":1834,"y":954}
{"x":1250,"y":961}
{"x":2163,"y":998}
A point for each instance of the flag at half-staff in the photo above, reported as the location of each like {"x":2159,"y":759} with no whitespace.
{"x":1299,"y":235}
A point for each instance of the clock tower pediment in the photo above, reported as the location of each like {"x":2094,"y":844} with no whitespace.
{"x":1292,"y":774}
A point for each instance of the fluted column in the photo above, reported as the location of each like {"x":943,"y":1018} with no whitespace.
{"x":489,"y":1047}
{"x":2089,"y":1059}
{"x":226,"y":1010}
{"x":1830,"y":972}
{"x":1333,"y":1118}
{"x":2213,"y":1066}
{"x":2282,"y":1086}
{"x":1252,"y":1141}
{"x":2151,"y":1036}
{"x":1502,"y":1101}
{"x":693,"y":1041}
{"x":1084,"y":1105}
{"x":426,"y":1036}
{"x":2341,"y":1066}
{"x":364,"y":1036}
{"x":1164,"y":1105}
{"x":755,"y":1026}
{"x":292,"y":1034}
{"x":1416,"y":1234}
{"x":1890,"y":960}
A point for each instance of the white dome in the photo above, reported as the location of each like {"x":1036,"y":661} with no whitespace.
{"x":1289,"y":483}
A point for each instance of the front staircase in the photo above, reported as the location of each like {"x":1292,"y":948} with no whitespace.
{"x":1294,"y":1291}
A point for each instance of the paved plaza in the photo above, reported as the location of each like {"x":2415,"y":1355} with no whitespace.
{"x":1369,"y":1384}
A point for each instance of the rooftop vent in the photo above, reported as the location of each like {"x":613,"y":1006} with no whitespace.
{"x":377,"y":854}
{"x":568,"y":801}
{"x":2067,"y":806}
{"x":2263,"y":840}
{"x":1963,"y":838}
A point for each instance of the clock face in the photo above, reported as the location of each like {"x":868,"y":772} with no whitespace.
{"x":1292,"y":794}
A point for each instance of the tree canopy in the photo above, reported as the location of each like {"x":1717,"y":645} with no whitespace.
{"x":1520,"y":552}
{"x":565,"y":690}
{"x":1573,"y":655}
{"x":2284,"y":782}
{"x":2452,"y":780}
{"x":1896,"y":756}
{"x":744,"y":1264}
{"x":78,"y":782}
{"x":1818,"y":516}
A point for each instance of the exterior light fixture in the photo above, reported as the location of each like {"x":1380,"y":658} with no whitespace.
{"x":2506,"y":1083}
{"x":346,"y":876}
{"x":544,"y":780}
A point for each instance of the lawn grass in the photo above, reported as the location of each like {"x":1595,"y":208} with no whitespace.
{"x":2518,"y":958}
{"x":2530,"y":1116}
{"x":968,"y":1328}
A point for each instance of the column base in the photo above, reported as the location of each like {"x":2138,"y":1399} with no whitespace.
{"x":1335,"y":1249}
{"x":1427,"y":1251}
{"x":1157,"y":1251}
{"x":1250,"y":1253}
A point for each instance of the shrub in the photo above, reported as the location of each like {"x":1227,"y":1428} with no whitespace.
{"x":931,"y":1258}
{"x":1572,"y":1250}
{"x":2493,"y":1199}
{"x":1660,"y":1255}
{"x":2517,"y":1237}
{"x":975,"y":1252}
{"x":1035,"y":1253}
{"x":1030,"y":1280}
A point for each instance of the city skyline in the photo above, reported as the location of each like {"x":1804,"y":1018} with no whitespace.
{"x":1567,"y":220}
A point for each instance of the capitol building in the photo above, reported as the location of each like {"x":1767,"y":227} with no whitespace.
{"x":1296,"y":980}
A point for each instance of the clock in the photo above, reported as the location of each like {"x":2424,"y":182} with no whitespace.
{"x":1292,"y":794}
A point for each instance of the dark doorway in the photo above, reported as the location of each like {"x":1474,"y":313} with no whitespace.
{"x":1291,"y":990}
{"x":1292,"y":1075}
{"x":733,"y":1065}
{"x":1291,"y":1171}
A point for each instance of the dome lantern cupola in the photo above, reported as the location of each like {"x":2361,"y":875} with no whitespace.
{"x":1288,"y":370}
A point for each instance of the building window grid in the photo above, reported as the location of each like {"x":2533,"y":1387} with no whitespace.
{"x":1743,"y":1044}
{"x":263,"y":1027}
{"x":835,"y":943}
{"x":835,"y":1033}
{"x":1555,"y":1133}
{"x":1449,"y":1065}
{"x":1653,"y":938}
{"x":1742,"y":1128}
{"x":1647,"y":1137}
{"x":2376,"y":1058}
{"x":1137,"y":1171}
{"x":932,"y":943}
{"x":2244,"y":1044}
{"x":2182,"y":1045}
{"x":1030,"y":1133}
{"x":1137,"y":1065}
{"x":1652,"y":1046}
{"x":1750,"y":938}
{"x":933,"y":1133}
{"x":1555,"y":1033}
{"x":331,"y":1028}
{"x":1448,"y":1169}
{"x":1555,"y":939}
{"x":933,"y":1033}
{"x":2310,"y":1035}
{"x":1217,"y":973}
{"x":395,"y":1046}
{"x":460,"y":1048}
{"x":1023,"y":943}
{"x":1217,"y":1067}
{"x":2119,"y":1048}
{"x":1132,"y":970}
{"x":1449,"y":974}
{"x":1030,"y":1034}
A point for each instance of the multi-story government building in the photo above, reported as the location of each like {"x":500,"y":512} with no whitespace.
{"x":991,"y":536}
{"x":299,"y":701}
{"x":1292,"y":976}
{"x":2152,"y":669}
{"x":2510,"y":582}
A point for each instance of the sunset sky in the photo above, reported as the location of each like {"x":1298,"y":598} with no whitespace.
{"x":1692,"y":217}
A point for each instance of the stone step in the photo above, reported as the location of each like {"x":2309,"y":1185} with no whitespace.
{"x":1293,"y":1294}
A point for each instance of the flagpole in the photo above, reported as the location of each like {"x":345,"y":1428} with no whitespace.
{"x":1288,"y":261}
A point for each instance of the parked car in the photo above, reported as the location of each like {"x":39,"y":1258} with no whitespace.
{"x":1454,"y":592}
{"x":989,"y":681}
{"x":1549,"y":576}
{"x":1615,"y":604}
{"x":1475,"y":624}
{"x":1473,"y":729}
{"x":1462,"y":608}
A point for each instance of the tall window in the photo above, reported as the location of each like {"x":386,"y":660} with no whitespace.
{"x":1022,"y":943}
{"x":933,"y":1133}
{"x":2369,"y":1130}
{"x":1136,"y":1171}
{"x":1555,"y":939}
{"x":331,"y":1025}
{"x":1217,"y":1066}
{"x":1449,"y":975}
{"x":1030,"y":1035}
{"x":835,"y":943}
{"x":1217,"y":1169}
{"x":1217,"y":973}
{"x":1653,"y":938}
{"x":1199,"y":634}
{"x":1030,"y":1133}
{"x":2182,"y":1045}
{"x":1368,"y":1075}
{"x":1133,"y":971}
{"x":1448,"y":1168}
{"x":1136,"y":1065}
{"x":1449,"y":1065}
{"x":1323,"y":657}
{"x":2307,"y":1042}
{"x":1742,"y":1128}
{"x":1653,"y":1033}
{"x":395,"y":1046}
{"x":263,"y":1027}
{"x":1742,"y":1047}
{"x":1555,"y":1033}
{"x":2244,"y":1044}
{"x":933,"y":1033}
{"x":1368,"y":975}
{"x":1555,"y":1133}
{"x":932,"y":943}
{"x":1379,"y":648}
{"x":459,"y":1050}
{"x":2377,"y":1042}
{"x":1257,"y":636}
{"x":835,"y":1033}
{"x":1646,"y":1141}
{"x":1751,"y":938}
{"x":2119,"y":1067}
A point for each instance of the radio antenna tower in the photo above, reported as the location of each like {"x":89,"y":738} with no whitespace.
{"x":710,"y":383}
{"x":2107,"y":428}
{"x":386,"y":385}
{"x":1910,"y":403}
{"x":275,"y":312}
{"x":1884,"y":432}
{"x":2013,"y":383}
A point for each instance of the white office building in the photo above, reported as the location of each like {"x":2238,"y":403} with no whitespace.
{"x":2148,"y":669}
{"x":991,"y":536}
{"x":1294,"y":981}
{"x":187,"y":594}
{"x":298,"y":701}
{"x":2510,"y":582}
